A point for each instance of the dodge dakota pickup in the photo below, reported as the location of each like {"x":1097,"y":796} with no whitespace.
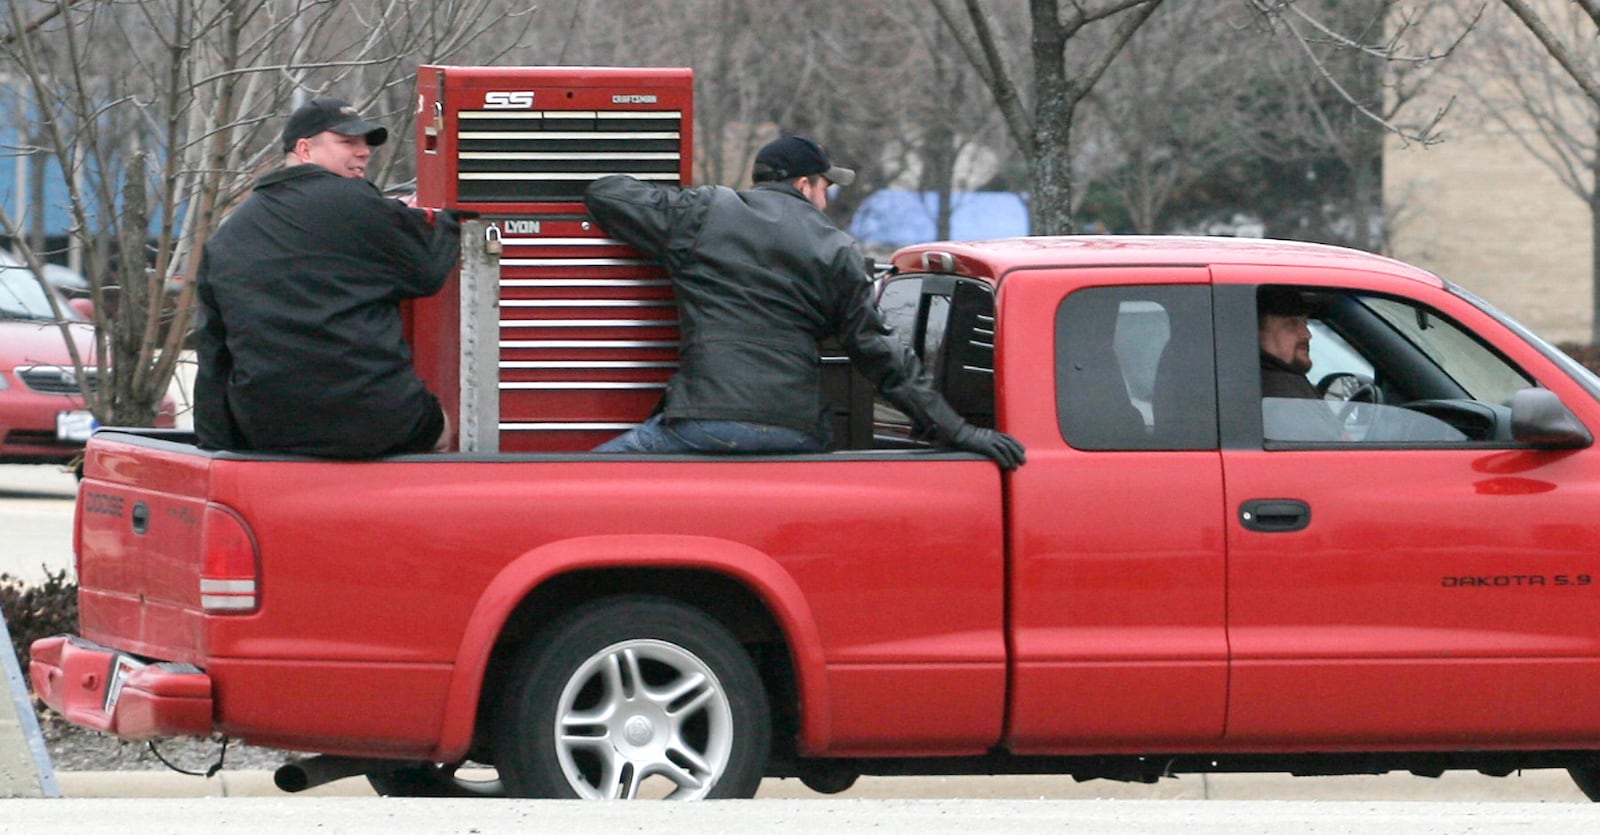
{"x":1184,"y":577}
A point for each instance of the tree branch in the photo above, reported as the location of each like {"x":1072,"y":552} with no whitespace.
{"x":1085,"y":81}
{"x":36,"y":24}
{"x":1280,"y":12}
{"x":984,"y":55}
{"x":1558,"y":50}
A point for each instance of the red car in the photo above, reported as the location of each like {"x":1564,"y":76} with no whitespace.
{"x":43,"y":417}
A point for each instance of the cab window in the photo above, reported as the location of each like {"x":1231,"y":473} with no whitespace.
{"x":948,"y":322}
{"x":1384,"y":370}
{"x":1135,"y":369}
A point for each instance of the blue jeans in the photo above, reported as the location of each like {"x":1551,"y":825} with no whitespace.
{"x":725,"y":437}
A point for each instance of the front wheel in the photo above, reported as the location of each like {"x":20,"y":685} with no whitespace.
{"x":634,"y":697}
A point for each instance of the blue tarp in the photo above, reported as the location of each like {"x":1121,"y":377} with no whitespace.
{"x":57,"y":216}
{"x":896,"y":218}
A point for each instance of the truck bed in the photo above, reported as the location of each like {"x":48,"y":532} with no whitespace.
{"x":378,"y":579}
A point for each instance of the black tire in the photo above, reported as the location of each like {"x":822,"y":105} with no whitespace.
{"x":1588,"y":780}
{"x":829,"y":779}
{"x":426,"y":779}
{"x":630,"y":695}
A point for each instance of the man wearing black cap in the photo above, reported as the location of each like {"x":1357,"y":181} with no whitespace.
{"x":761,"y":278}
{"x":1283,"y":317}
{"x":299,"y":334}
{"x":1291,"y":407}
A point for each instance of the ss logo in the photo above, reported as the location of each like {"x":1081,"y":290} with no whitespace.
{"x":506,"y":100}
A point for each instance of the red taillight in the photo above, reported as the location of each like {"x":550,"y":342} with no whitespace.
{"x":230,"y":567}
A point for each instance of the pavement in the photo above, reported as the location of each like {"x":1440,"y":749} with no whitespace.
{"x":36,"y":502}
{"x":388,"y":815}
{"x":1541,"y":786}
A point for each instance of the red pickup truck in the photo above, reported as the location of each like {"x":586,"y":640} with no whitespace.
{"x":1184,"y":577}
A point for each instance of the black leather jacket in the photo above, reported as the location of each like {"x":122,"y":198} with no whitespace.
{"x":1279,"y":380}
{"x":761,"y":277}
{"x":299,"y":334}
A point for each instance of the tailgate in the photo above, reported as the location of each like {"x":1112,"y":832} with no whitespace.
{"x":138,"y":545}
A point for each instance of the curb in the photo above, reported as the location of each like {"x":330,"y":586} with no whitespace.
{"x":83,"y":784}
{"x":1545,"y":785}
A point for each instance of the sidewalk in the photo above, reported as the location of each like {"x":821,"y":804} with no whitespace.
{"x":1547,"y":785}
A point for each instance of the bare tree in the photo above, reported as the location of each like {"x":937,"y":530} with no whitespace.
{"x":1562,"y":107}
{"x":1172,"y":109}
{"x":1377,"y":29}
{"x":757,"y":65}
{"x":944,"y":129}
{"x":1073,"y":46}
{"x":861,"y":78}
{"x":1343,"y":81}
{"x":1065,"y":65}
{"x":159,"y":113}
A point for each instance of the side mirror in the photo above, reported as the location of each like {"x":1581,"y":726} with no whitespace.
{"x":1539,"y":418}
{"x":84,"y":307}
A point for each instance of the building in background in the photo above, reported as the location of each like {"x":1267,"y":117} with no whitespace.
{"x":1482,"y":208}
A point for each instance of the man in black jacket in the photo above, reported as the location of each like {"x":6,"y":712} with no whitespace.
{"x":1282,"y":316}
{"x":299,"y":334}
{"x":761,"y":278}
{"x":1291,"y":407}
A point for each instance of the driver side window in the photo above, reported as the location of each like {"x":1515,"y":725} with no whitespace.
{"x":1377,"y":370}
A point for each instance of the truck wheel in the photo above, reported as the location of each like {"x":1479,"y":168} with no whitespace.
{"x":829,"y":779}
{"x":426,"y":779}
{"x":1588,"y":780}
{"x":634,"y":697}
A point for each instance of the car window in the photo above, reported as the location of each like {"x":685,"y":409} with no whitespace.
{"x":1135,"y":368}
{"x":898,"y":302}
{"x":23,"y":297}
{"x":948,"y":322}
{"x":1386,"y":370}
{"x":1331,"y":354}
{"x":1479,"y":371}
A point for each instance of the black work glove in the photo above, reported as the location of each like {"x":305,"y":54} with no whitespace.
{"x":459,"y":215}
{"x":998,"y":446}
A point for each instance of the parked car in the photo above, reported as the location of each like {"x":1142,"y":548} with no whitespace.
{"x":69,"y":281}
{"x":43,"y":416}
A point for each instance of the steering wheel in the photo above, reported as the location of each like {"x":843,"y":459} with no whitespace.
{"x":1359,"y":395}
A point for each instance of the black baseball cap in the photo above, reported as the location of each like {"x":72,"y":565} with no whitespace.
{"x":337,"y":115}
{"x":797,"y":156}
{"x":1285,"y":301}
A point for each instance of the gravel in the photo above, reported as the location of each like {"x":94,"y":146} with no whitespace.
{"x":73,"y":748}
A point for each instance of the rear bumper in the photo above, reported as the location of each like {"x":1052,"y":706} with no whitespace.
{"x":111,"y":691}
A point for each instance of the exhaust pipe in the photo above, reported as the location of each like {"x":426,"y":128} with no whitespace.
{"x":303,"y":773}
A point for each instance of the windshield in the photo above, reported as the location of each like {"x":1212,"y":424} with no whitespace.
{"x":22,"y":296}
{"x":1480,"y":372}
{"x":1583,"y":376}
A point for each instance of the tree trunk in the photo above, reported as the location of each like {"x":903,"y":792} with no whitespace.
{"x":1050,"y":178}
{"x":938,"y":175}
{"x":1050,"y":163}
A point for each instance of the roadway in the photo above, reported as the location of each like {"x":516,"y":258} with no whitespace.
{"x":35,"y":520}
{"x":381,"y":816}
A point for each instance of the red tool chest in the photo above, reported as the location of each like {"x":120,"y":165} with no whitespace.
{"x":578,"y":334}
